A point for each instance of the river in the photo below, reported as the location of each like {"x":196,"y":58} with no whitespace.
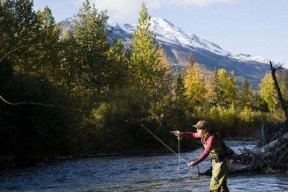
{"x":137,"y":173}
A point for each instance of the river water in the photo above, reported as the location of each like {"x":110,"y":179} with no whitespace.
{"x":138,"y":173}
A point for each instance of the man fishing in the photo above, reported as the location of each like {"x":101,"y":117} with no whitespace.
{"x":213,"y":148}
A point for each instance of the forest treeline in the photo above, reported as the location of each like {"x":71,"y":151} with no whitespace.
{"x":85,"y":93}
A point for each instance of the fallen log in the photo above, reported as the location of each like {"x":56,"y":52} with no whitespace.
{"x":273,"y":145}
{"x":271,"y":158}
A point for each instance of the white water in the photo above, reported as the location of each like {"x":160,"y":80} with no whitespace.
{"x":140,"y":173}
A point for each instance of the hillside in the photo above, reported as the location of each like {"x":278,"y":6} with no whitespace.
{"x":178,"y":46}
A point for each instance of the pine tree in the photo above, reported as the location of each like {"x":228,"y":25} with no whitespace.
{"x":148,"y":70}
{"x":177,"y":114}
{"x":119,"y":69}
{"x":145,"y":57}
{"x":48,"y":48}
{"x":224,"y":89}
{"x":246,"y":95}
{"x":92,"y":51}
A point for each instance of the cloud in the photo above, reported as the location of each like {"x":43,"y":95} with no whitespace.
{"x":122,"y":9}
{"x":196,"y":3}
{"x":118,"y":9}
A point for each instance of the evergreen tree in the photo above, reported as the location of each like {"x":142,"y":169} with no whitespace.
{"x":224,"y":89}
{"x":119,"y":59}
{"x":148,"y":74}
{"x":246,"y":95}
{"x":48,"y":48}
{"x":92,"y":52}
{"x":145,"y":58}
{"x":177,"y":114}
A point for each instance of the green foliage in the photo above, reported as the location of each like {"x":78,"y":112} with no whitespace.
{"x":32,"y":129}
{"x":20,"y":28}
{"x":177,"y":113}
{"x":225,"y":88}
{"x":116,"y":90}
{"x":246,"y":95}
{"x":147,"y":73}
{"x":92,"y":51}
{"x":145,"y":58}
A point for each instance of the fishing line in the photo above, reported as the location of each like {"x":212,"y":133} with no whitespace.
{"x":125,"y":120}
{"x":141,"y":125}
{"x":42,"y":104}
{"x":179,"y":161}
{"x":80,"y":110}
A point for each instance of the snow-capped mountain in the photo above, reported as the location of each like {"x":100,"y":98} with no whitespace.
{"x":178,"y":47}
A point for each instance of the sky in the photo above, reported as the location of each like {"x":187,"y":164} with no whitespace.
{"x":255,"y":27}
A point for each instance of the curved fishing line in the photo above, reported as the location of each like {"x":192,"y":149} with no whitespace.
{"x":80,"y":110}
{"x":42,"y":104}
{"x":125,"y":120}
{"x":157,"y":138}
{"x":177,"y":154}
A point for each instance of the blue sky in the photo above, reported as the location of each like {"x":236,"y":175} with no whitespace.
{"x":256,"y":27}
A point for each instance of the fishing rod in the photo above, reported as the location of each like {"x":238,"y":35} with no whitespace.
{"x":125,"y":120}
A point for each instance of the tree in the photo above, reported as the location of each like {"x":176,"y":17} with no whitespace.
{"x":194,"y":86}
{"x":118,"y":56}
{"x":92,"y":52}
{"x":246,"y":95}
{"x":177,"y":113}
{"x":48,"y":48}
{"x":224,"y":89}
{"x":148,"y":73}
{"x":20,"y":28}
{"x":268,"y":92}
{"x":145,"y":58}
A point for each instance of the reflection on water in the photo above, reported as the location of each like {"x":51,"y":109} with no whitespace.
{"x":140,"y":173}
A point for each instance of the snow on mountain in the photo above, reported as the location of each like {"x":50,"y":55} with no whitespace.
{"x":247,"y":57}
{"x":178,"y":46}
{"x":167,"y":32}
{"x":170,"y":34}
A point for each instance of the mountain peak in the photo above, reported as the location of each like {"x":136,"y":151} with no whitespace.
{"x":178,"y":46}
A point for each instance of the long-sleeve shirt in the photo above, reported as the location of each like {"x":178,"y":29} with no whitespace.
{"x":208,"y":144}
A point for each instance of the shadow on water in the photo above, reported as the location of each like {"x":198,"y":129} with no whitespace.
{"x":140,"y":173}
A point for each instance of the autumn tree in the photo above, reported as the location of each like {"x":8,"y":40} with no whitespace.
{"x":268,"y":92}
{"x":194,"y":87}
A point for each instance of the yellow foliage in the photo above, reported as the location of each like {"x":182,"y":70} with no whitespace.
{"x":194,"y":84}
{"x":247,"y":115}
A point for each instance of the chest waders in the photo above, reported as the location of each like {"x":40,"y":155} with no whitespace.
{"x":218,"y":182}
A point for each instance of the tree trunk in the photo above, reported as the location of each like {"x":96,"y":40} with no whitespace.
{"x":280,"y":96}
